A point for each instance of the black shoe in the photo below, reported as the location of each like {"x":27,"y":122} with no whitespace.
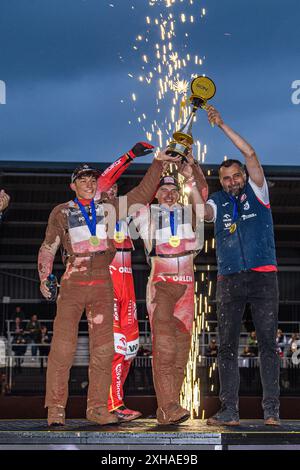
{"x":224,"y":417}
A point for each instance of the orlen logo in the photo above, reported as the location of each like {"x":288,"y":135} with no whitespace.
{"x":112,"y":268}
{"x":125,"y":269}
{"x":120,"y":343}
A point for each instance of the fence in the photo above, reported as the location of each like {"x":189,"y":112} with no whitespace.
{"x":29,"y":378}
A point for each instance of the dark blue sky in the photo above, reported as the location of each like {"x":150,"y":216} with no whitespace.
{"x":60,"y":60}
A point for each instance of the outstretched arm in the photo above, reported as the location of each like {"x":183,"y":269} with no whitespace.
{"x":116,"y":169}
{"x":145,"y":191}
{"x":195,"y":179}
{"x":253,"y":165}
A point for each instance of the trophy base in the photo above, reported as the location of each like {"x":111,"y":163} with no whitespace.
{"x":176,"y":148}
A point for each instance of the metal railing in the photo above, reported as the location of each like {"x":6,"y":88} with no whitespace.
{"x":144,"y":329}
{"x":27,"y":376}
{"x":30,"y":378}
{"x":249,"y":362}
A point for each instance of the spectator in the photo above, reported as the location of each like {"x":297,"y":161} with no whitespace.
{"x":33,"y":330}
{"x":212,"y":349}
{"x":19,"y":312}
{"x":44,"y":347}
{"x":17,"y":326}
{"x":281,"y":342}
{"x":293,"y":344}
{"x":252,"y":343}
{"x":245,"y":357}
{"x":19,"y":344}
{"x":294,"y":338}
{"x":247,"y":352}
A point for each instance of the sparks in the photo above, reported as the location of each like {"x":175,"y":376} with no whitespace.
{"x":166,"y":68}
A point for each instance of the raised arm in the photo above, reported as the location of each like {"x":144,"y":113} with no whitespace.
{"x":145,"y":191}
{"x":117,"y":168}
{"x":253,"y":165}
{"x":196,"y":181}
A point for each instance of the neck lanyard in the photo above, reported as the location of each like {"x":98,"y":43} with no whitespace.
{"x":90,"y":223}
{"x":173,"y":222}
{"x":235,"y":208}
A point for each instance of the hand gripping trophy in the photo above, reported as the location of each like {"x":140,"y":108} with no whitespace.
{"x":203,"y":89}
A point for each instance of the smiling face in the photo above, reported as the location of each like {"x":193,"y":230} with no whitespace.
{"x":85,"y":186}
{"x":232,"y":179}
{"x":167,"y":195}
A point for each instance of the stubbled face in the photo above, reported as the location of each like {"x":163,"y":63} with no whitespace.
{"x":85,"y":187}
{"x":232,"y":179}
{"x":112,"y":192}
{"x":167,"y":195}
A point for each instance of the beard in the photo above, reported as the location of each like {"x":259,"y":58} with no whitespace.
{"x":235,"y":190}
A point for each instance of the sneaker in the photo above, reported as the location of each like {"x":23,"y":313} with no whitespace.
{"x":125,"y":414}
{"x":56,"y":416}
{"x":224,"y":417}
{"x":101,"y":416}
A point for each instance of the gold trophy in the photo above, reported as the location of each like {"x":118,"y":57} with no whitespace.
{"x":203,"y":89}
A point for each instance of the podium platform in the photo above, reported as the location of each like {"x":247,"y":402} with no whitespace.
{"x":145,"y":434}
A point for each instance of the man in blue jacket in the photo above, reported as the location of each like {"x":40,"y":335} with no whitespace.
{"x":247,"y":273}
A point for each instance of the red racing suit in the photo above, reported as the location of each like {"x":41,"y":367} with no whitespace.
{"x":125,"y":325}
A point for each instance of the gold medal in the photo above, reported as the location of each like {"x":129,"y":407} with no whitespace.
{"x":232,"y":228}
{"x":174,"y":241}
{"x":119,"y":237}
{"x":94,"y":240}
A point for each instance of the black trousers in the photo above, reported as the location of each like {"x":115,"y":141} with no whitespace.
{"x":233,"y":292}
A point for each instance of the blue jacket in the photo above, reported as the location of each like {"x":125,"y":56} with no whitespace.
{"x":252,"y":243}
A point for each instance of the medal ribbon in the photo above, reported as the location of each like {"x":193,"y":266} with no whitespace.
{"x":91,"y":223}
{"x":173,"y":222}
{"x":235,"y":208}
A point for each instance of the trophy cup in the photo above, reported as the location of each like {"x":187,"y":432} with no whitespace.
{"x":203,"y":89}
